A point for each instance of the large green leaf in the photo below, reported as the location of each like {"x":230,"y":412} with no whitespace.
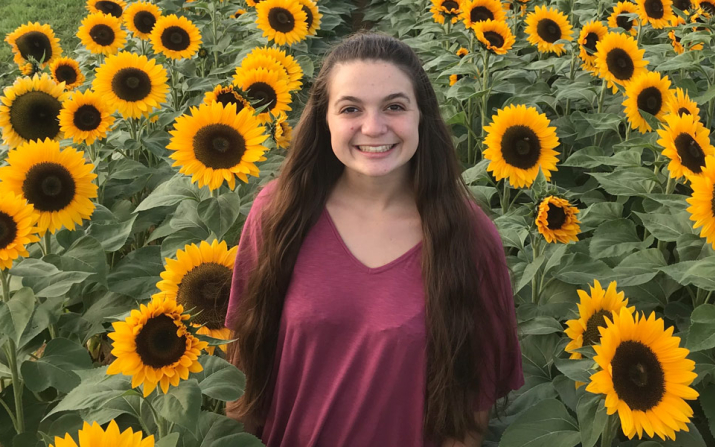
{"x":701,"y":335}
{"x":181,"y":405}
{"x":171,"y":193}
{"x":639,"y":267}
{"x":219,"y":214}
{"x":546,"y":424}
{"x":697,"y":273}
{"x":137,"y":274}
{"x":580,"y":269}
{"x":95,"y":389}
{"x":667,"y":227}
{"x":112,"y":236}
{"x":86,"y":255}
{"x":540,"y":326}
{"x":616,"y":238}
{"x":220,"y":379}
{"x":55,"y":368}
{"x":627,"y":181}
{"x":592,"y":418}
{"x":16,"y":314}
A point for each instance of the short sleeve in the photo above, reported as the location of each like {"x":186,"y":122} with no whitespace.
{"x":502,"y":368}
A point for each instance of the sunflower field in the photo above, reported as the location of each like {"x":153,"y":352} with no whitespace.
{"x":131,"y":161}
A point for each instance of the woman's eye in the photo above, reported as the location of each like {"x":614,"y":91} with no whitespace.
{"x":395,"y":107}
{"x":349,"y":110}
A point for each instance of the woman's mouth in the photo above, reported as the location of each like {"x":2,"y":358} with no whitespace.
{"x":376,"y":149}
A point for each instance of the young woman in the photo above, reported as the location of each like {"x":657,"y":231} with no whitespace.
{"x":371,"y":298}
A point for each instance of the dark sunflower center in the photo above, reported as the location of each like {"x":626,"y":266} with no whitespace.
{"x":650,"y":100}
{"x":144,"y":21}
{"x":281,"y":20}
{"x":480,"y":14}
{"x":708,"y":7}
{"x":66,"y":73}
{"x":712,"y":203}
{"x":157,"y":342}
{"x":495,"y":39}
{"x":591,"y":41}
{"x":691,"y":155}
{"x":131,"y":84}
{"x":8,"y":229}
{"x":591,"y":335}
{"x":638,"y":377}
{"x":682,"y":5}
{"x":520,"y":147}
{"x":548,"y":30}
{"x":102,"y":35}
{"x":49,"y":186}
{"x":555,"y":217}
{"x":683,"y":111}
{"x":309,"y":16}
{"x":450,"y":6}
{"x":227,"y":98}
{"x":620,"y":64}
{"x":34,"y":116}
{"x":35,"y":44}
{"x":87,"y":117}
{"x":175,"y":38}
{"x":263,"y":94}
{"x":654,"y":9}
{"x":206,"y":288}
{"x":624,"y":22}
{"x":219,"y":146}
{"x":111,"y":8}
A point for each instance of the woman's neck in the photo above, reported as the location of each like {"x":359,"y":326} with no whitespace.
{"x":374,"y":194}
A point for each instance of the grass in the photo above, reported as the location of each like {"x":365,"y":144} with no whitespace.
{"x":64,"y":16}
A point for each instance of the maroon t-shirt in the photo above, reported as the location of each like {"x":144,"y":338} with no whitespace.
{"x":351,"y":354}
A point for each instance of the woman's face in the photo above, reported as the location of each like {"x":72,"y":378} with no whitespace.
{"x":373,"y":118}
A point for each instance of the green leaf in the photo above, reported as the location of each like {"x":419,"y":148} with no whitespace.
{"x":686,"y":60}
{"x":55,"y":368}
{"x":16,"y":313}
{"x":476,"y":172}
{"x":588,"y":125}
{"x":702,"y":328}
{"x":531,"y":269}
{"x":627,"y":182}
{"x":59,"y":284}
{"x":667,"y":227}
{"x":220,"y":379}
{"x":598,"y":213}
{"x":592,"y":418}
{"x":168,"y":441}
{"x":697,"y":273}
{"x":112,"y":236}
{"x":639,"y":267}
{"x":86,"y":255}
{"x":32,"y":267}
{"x":181,"y":405}
{"x":616,"y":238}
{"x":546,"y":424}
{"x":578,"y":370}
{"x":170,"y":193}
{"x":137,"y":274}
{"x":538,"y":353}
{"x":220,"y":213}
{"x":690,"y":438}
{"x":540,"y":326}
{"x":580,"y":269}
{"x":96,"y":389}
{"x":707,"y":402}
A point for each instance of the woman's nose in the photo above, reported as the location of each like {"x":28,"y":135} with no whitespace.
{"x":374,"y":123}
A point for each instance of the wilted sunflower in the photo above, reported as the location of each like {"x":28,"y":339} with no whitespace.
{"x":644,"y":375}
{"x":154,"y":346}
{"x":85,"y":117}
{"x":461,"y":52}
{"x":114,"y":8}
{"x":200,"y":279}
{"x":132,"y":84}
{"x":282,"y":21}
{"x":546,"y":26}
{"x":140,"y":18}
{"x":556,"y":220}
{"x":495,"y":35}
{"x":702,"y":201}
{"x":266,"y":88}
{"x":590,"y":35}
{"x":283,"y":132}
{"x":288,"y":62}
{"x":215,"y":143}
{"x":102,"y":34}
{"x":682,"y":104}
{"x":227,"y":95}
{"x":475,"y":11}
{"x":659,"y":13}
{"x":17,"y":218}
{"x":618,"y":59}
{"x":310,"y":8}
{"x":519,"y":141}
{"x":30,"y":110}
{"x":686,"y":142}
{"x":445,"y":9}
{"x":57,"y":183}
{"x":649,"y":92}
{"x":257,"y":60}
{"x":175,"y":37}
{"x":94,"y":436}
{"x":65,"y":69}
{"x":36,"y":41}
{"x":617,"y":20}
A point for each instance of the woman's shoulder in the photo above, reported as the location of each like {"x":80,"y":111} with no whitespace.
{"x":265,"y":193}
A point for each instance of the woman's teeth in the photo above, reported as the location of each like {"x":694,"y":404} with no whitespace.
{"x":384,"y":148}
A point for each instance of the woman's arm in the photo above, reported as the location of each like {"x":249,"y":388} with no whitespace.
{"x":473,"y":439}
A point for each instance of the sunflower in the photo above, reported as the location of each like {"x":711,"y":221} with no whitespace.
{"x":590,"y":35}
{"x":683,"y":5}
{"x":200,"y":279}
{"x":702,"y":201}
{"x":30,"y":69}
{"x":17,"y":218}
{"x":85,"y":117}
{"x":546,"y":26}
{"x":708,"y":7}
{"x":687,"y":143}
{"x":682,"y":104}
{"x":310,"y":8}
{"x":659,"y":13}
{"x":282,"y":21}
{"x":617,"y":20}
{"x":266,"y":88}
{"x":445,"y":9}
{"x":495,"y":35}
{"x":475,"y":11}
{"x":94,"y":436}
{"x":175,"y":37}
{"x":283,"y":132}
{"x":227,"y":95}
{"x":239,"y":13}
{"x":288,"y":62}
{"x":649,"y":92}
{"x":57,"y":183}
{"x":256,"y":60}
{"x":519,"y":141}
{"x":454,"y":78}
{"x":215,"y":143}
{"x":65,"y":69}
{"x":34,"y":41}
{"x":556,"y":220}
{"x":102,"y":34}
{"x":461,"y":52}
{"x":618,"y":59}
{"x":131,"y":84}
{"x":645,"y":375}
{"x":114,"y":8}
{"x":140,"y":18}
{"x":592,"y":313}
{"x":30,"y":110}
{"x":154,"y":346}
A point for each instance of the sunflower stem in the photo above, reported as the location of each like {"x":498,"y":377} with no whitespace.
{"x":535,"y":253}
{"x":11,"y":351}
{"x":9,"y":413}
{"x":609,"y":431}
{"x":505,"y":198}
{"x":670,"y":186}
{"x":47,"y":240}
{"x":485,"y":98}
{"x":214,"y":34}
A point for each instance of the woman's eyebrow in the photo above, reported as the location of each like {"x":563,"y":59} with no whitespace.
{"x":389,"y":97}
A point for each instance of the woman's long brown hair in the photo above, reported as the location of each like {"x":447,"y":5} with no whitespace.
{"x":456,"y":278}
